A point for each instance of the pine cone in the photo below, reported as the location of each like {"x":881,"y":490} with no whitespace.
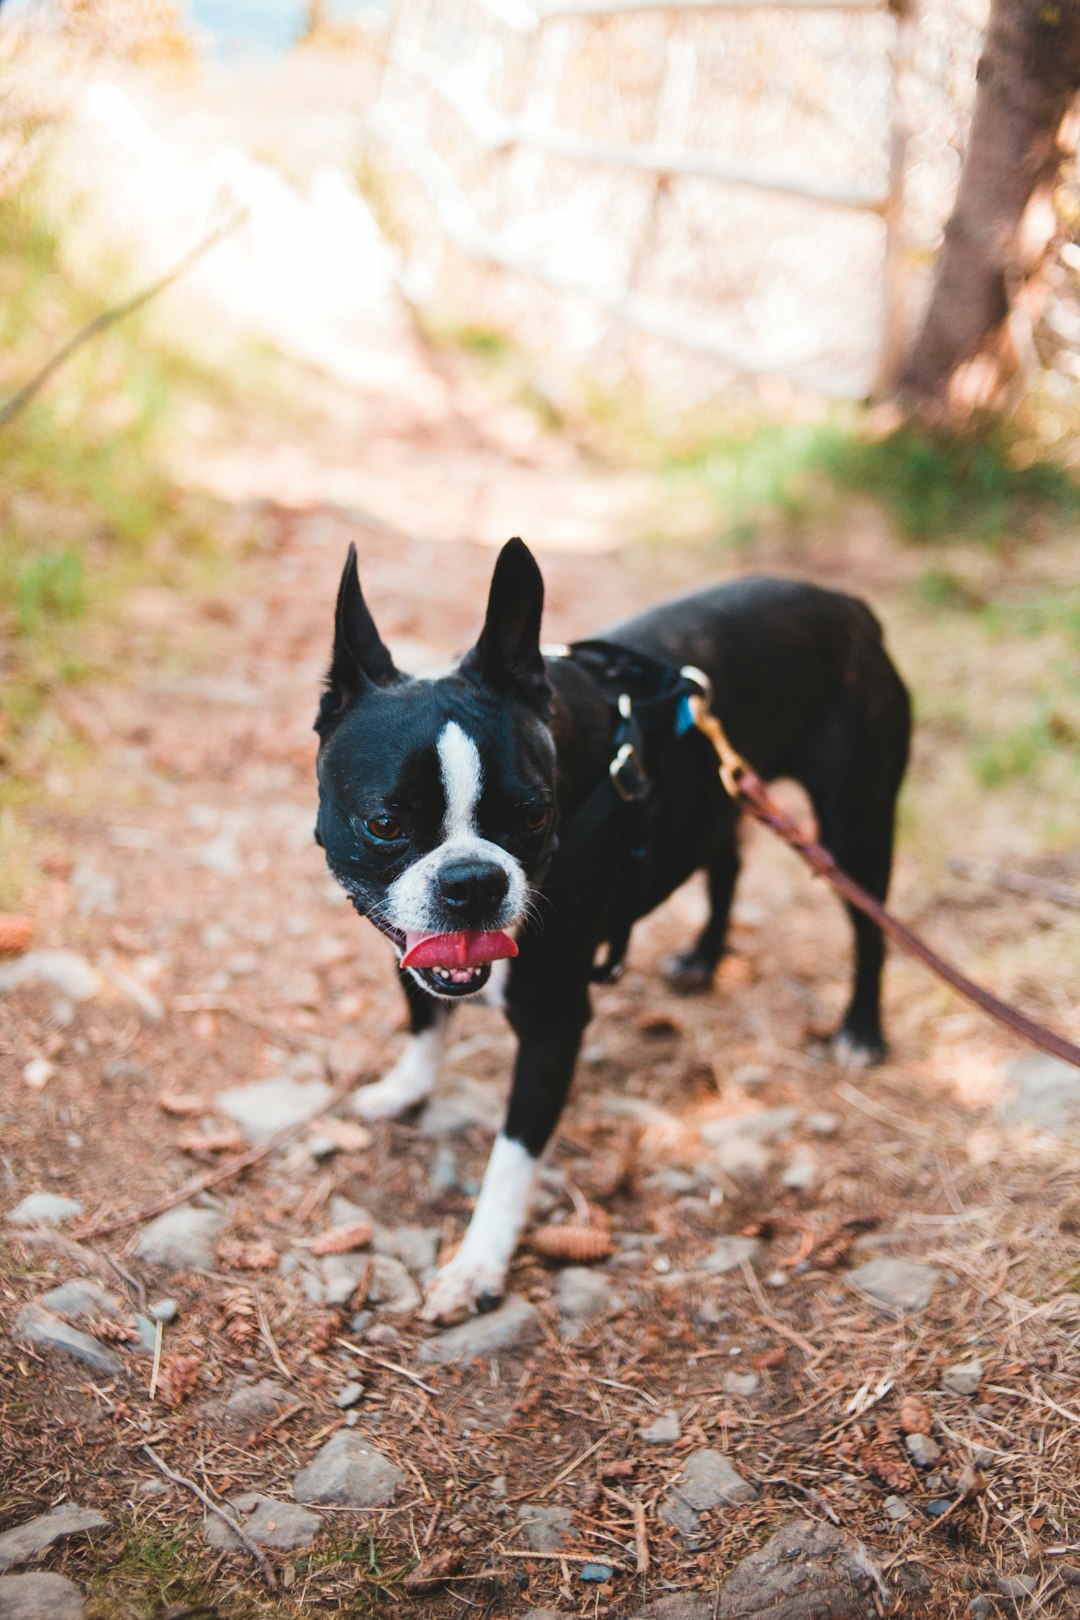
{"x":915,"y":1415}
{"x":340,"y":1239}
{"x":581,"y":1244}
{"x":238,"y":1255}
{"x":429,"y":1574}
{"x":15,"y":934}
{"x":178,"y":1378}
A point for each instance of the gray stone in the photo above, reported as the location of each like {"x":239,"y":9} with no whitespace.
{"x":729,"y":1253}
{"x":805,"y":1569}
{"x":903,"y":1285}
{"x":43,"y":1209}
{"x":964,"y":1377}
{"x":349,"y":1394}
{"x":741,"y":1157}
{"x":923,"y":1450}
{"x":678,"y":1606}
{"x":739,"y":1383}
{"x":181,"y":1237}
{"x":43,"y":1330}
{"x":1017,"y":1587}
{"x":26,"y":1542}
{"x":417,"y":1247}
{"x":768,"y":1125}
{"x":582,"y":1295}
{"x":472,"y":1102}
{"x":1045,"y":1094}
{"x":251,"y":1406}
{"x":662,"y":1431}
{"x":348,"y":1472}
{"x":392,"y":1290}
{"x":511,"y":1324}
{"x":674,"y":1182}
{"x":267,"y":1106}
{"x":64,"y":971}
{"x":802,"y":1173}
{"x":82,"y":1300}
{"x":39,"y":1597}
{"x":545,"y":1529}
{"x":544,"y":1614}
{"x":898,"y":1508}
{"x":164,"y":1310}
{"x":822,"y":1123}
{"x":281,"y":1525}
{"x":708,"y":1481}
{"x":382,"y":1333}
{"x":444,"y":1176}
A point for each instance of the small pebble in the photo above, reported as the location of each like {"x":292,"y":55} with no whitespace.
{"x":897,"y":1508}
{"x":964,"y":1377}
{"x":348,"y":1394}
{"x":662,"y":1431}
{"x":937,"y":1507}
{"x":597,"y":1572}
{"x":38,"y":1072}
{"x":923,"y":1450}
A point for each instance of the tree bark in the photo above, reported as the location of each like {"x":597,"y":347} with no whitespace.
{"x":1027,"y":79}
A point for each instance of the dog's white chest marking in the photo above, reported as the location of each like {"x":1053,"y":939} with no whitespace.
{"x":462,"y":779}
{"x":479,"y":1268}
{"x":409,"y":1082}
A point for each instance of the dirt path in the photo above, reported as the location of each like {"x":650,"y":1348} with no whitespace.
{"x":624,"y":1433}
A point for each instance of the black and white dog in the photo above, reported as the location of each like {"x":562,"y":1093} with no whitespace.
{"x":443,"y":799}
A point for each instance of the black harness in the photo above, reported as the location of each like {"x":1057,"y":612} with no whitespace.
{"x":647,"y":697}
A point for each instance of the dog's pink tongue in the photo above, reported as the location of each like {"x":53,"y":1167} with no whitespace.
{"x":456,"y":950}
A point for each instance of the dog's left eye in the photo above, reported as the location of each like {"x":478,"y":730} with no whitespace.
{"x":384,"y":828}
{"x":534,"y":817}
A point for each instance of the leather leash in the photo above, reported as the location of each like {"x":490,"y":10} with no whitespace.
{"x":745,"y":786}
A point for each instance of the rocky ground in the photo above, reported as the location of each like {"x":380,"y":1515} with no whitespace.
{"x":834,"y":1301}
{"x":817,"y":1355}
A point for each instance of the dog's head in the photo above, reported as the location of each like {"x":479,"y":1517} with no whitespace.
{"x":437,"y":794}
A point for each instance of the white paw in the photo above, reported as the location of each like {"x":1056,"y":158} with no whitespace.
{"x":463,"y":1285}
{"x":409,"y":1082}
{"x":385,"y":1099}
{"x":850,"y":1054}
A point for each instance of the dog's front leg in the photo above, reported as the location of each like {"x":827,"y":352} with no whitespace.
{"x":412,"y":1078}
{"x":476,"y":1277}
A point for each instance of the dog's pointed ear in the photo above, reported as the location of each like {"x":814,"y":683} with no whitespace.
{"x":507,"y":657}
{"x":360,"y":657}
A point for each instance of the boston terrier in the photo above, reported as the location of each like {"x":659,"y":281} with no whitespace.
{"x":503,"y":822}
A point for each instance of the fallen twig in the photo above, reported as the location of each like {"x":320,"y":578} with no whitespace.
{"x":268,"y":1337}
{"x":1016,"y":882}
{"x":224,"y":1172}
{"x":237,"y":1529}
{"x":118,"y":312}
{"x":391,"y":1366}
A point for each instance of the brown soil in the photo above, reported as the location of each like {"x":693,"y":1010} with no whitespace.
{"x":261,"y":965}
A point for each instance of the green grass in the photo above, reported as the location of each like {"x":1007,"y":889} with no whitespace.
{"x":932,"y":486}
{"x":153,"y":1568}
{"x":86,"y":510}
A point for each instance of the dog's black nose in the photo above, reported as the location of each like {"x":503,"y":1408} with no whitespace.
{"x":473,"y":888}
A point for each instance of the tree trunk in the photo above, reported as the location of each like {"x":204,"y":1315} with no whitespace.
{"x":1027,"y":78}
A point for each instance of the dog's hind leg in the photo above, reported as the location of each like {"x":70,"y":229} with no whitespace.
{"x":693,"y":970}
{"x":412,"y":1078}
{"x":853,"y":781}
{"x":549,"y":1029}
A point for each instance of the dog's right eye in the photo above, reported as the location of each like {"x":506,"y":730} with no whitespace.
{"x":384,"y":828}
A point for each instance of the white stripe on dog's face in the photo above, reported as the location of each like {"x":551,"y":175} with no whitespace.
{"x":412,"y":901}
{"x":462,"y":779}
